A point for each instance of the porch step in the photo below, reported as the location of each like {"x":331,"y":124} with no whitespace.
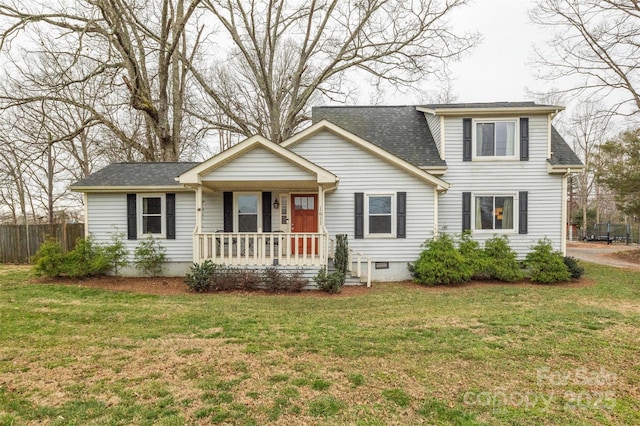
{"x":349,"y":279}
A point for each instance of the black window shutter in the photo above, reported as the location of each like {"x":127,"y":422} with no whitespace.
{"x":171,"y":216}
{"x":359,"y":216}
{"x":227,"y":211}
{"x":466,"y":139}
{"x":266,"y":212}
{"x":524,"y":139}
{"x":132,"y":226}
{"x":401,"y":215}
{"x":466,"y":211}
{"x":524,"y":208}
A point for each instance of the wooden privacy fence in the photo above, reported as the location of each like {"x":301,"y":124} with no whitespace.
{"x":19,"y":242}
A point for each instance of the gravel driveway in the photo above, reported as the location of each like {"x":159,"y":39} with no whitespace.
{"x":601,"y":253}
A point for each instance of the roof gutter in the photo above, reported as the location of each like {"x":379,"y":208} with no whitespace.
{"x":490,"y":111}
{"x":155,"y":188}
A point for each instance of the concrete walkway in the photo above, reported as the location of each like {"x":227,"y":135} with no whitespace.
{"x":600,"y":253}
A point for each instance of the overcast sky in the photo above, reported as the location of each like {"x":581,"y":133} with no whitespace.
{"x":497,"y":70}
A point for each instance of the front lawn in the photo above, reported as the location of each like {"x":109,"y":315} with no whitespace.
{"x":396,"y":354}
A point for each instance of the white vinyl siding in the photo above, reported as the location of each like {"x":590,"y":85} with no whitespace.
{"x":258,"y":164}
{"x":505,"y":177}
{"x":212,"y":213}
{"x":107,"y":215}
{"x":361,"y":171}
{"x":434,"y":126}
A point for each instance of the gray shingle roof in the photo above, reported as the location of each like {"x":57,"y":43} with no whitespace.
{"x":561,"y":152}
{"x":400,"y":130}
{"x":136,"y":174}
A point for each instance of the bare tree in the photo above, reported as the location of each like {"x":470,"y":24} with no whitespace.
{"x":588,"y":129}
{"x":137,"y":41}
{"x":595,"y":43}
{"x":16,"y":187}
{"x":283,"y":55}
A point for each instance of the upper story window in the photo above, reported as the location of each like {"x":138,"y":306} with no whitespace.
{"x":495,"y":138}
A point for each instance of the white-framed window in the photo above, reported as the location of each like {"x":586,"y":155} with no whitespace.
{"x":248,"y":215}
{"x":494,"y":212}
{"x":495,"y":139}
{"x":379,"y":215}
{"x":152,"y":215}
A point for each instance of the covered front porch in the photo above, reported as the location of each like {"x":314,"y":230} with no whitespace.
{"x":257,"y":205}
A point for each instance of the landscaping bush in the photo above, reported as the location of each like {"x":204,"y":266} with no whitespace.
{"x":473,"y":255}
{"x":440,"y":263}
{"x":207,"y":276}
{"x":230,"y":278}
{"x":545,"y":265}
{"x":341,"y":255}
{"x":198,"y":278}
{"x":276,"y":280}
{"x":575,"y":269}
{"x":86,"y":259}
{"x":149,"y":256}
{"x":329,"y":282}
{"x":117,"y":253}
{"x":500,"y":261}
{"x":49,"y":260}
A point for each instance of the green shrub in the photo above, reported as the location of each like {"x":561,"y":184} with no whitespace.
{"x":330,"y":282}
{"x":49,"y":259}
{"x":473,"y":255}
{"x":341,"y":255}
{"x":149,"y":256}
{"x":440,"y":263}
{"x":546,"y":265}
{"x":198,"y":278}
{"x":86,"y":259}
{"x":575,"y":269}
{"x":500,"y":262}
{"x":117,"y":253}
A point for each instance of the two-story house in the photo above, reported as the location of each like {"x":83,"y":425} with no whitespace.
{"x":390,"y":177}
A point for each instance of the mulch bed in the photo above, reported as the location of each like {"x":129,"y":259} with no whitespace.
{"x":176,"y":286}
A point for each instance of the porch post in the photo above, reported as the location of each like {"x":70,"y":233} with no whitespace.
{"x":321,"y":207}
{"x":199,"y":209}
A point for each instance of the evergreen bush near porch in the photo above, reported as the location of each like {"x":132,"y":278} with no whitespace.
{"x":341,"y":255}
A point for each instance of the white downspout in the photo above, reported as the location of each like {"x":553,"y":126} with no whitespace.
{"x":85,"y":200}
{"x":442,"y":144}
{"x":436,"y":195}
{"x":563,"y":240}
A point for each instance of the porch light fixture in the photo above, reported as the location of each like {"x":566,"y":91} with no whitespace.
{"x":276,"y":204}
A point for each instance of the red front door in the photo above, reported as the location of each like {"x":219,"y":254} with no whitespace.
{"x":304,"y":219}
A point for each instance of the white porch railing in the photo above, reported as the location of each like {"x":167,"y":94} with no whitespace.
{"x":261,"y":248}
{"x":354,"y":257}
